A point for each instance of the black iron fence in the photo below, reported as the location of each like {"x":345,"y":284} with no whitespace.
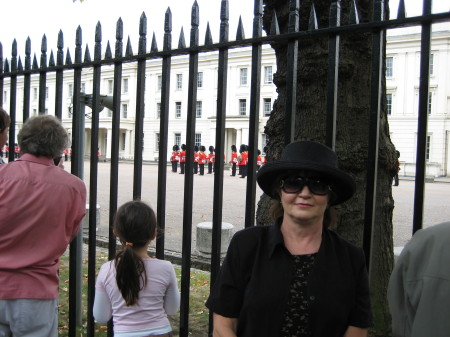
{"x":13,"y":70}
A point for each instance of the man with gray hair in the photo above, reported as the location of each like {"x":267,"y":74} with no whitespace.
{"x":41,"y":208}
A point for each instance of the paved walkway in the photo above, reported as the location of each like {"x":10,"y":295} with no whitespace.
{"x":436,"y":208}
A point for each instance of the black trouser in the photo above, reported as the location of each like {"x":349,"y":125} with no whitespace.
{"x":202,"y":169}
{"x":244,"y":171}
{"x":182,"y":163}
{"x":210,"y":168}
{"x":174,"y":166}
{"x":195,"y":167}
{"x":396,"y":180}
{"x":233,"y":169}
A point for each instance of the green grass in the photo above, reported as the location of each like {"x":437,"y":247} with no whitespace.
{"x":198,"y":313}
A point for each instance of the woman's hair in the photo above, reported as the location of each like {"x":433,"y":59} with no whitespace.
{"x":43,"y":135}
{"x":134,"y":225}
{"x":4,"y":120}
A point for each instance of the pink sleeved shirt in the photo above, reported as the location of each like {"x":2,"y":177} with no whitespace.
{"x":41,"y":208}
{"x":160,"y":292}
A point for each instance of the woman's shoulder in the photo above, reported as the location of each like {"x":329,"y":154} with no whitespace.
{"x":163,"y":264}
{"x":342,"y":245}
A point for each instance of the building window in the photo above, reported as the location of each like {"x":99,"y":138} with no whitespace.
{"x":198,"y":109}
{"x":83,"y":87}
{"x":110,"y":87}
{"x":125,"y":86}
{"x":389,"y":104}
{"x":124,"y":137}
{"x":430,"y":102}
{"x":267,"y":106}
{"x":159,"y":85}
{"x":200,"y":80}
{"x":177,"y":139}
{"x":158,"y":110}
{"x":431,"y":64}
{"x":5,"y":97}
{"x":70,"y":89}
{"x":264,"y":140}
{"x":177,"y":109}
{"x":46,"y":92}
{"x":242,"y":107}
{"x":427,"y":149}
{"x":268,"y":77}
{"x":109,"y":113}
{"x":389,"y":67}
{"x":35,"y":94}
{"x":198,"y":139}
{"x":124,"y":110}
{"x":156,"y":142}
{"x":179,"y":81}
{"x":243,"y":76}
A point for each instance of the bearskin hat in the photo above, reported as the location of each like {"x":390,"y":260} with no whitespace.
{"x":195,"y":148}
{"x":202,"y":148}
{"x":175,"y":147}
{"x":233,"y":148}
{"x":211,"y":148}
{"x":183,"y":147}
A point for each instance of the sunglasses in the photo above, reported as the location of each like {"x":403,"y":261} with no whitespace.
{"x":293,"y":185}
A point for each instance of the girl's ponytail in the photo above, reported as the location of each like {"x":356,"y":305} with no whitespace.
{"x":135,"y":226}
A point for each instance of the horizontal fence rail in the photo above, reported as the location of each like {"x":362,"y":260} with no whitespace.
{"x":13,"y":71}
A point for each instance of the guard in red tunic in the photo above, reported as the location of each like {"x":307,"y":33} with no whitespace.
{"x":182,"y":158}
{"x":244,"y":156}
{"x":202,"y":160}
{"x":175,"y":158}
{"x":258,"y":161}
{"x":211,"y":159}
{"x":234,"y":160}
{"x":196,"y":158}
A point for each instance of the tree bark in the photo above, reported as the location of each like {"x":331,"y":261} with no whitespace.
{"x":352,"y":131}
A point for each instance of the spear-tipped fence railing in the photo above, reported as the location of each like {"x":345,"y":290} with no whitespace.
{"x":12,"y":70}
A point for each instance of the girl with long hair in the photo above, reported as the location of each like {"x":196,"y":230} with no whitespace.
{"x":137,"y":291}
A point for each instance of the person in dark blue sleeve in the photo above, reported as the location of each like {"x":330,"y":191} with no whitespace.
{"x":296,"y":277}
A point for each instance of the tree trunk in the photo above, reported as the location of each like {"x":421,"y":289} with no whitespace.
{"x":352,"y":131}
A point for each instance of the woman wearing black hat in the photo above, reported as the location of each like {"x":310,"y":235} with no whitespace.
{"x":296,"y":277}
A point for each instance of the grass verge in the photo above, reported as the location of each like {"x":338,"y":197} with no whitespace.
{"x":198,"y":313}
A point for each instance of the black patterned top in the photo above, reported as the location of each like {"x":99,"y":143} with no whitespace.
{"x":296,"y":316}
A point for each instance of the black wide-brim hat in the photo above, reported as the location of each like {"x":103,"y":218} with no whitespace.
{"x":308,"y":156}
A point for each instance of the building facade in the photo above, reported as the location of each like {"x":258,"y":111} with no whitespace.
{"x":402,"y":85}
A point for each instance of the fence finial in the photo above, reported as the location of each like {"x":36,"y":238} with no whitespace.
{"x":240,"y":35}
{"x":195,"y":15}
{"x":98,"y":42}
{"x":68,"y":58}
{"x":181,"y":41}
{"x":401,"y":12}
{"x":154,"y":47}
{"x":108,"y":52}
{"x":128,"y":50}
{"x":87,"y":54}
{"x":224,"y":17}
{"x":208,"y":36}
{"x":274,"y":27}
{"x":51,"y":61}
{"x":167,"y":44}
{"x":60,"y":51}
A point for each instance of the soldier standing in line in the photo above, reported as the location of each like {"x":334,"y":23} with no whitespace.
{"x":182,"y":158}
{"x":211,"y":159}
{"x":234,"y":160}
{"x":202,"y":160}
{"x":196,"y":157}
{"x":175,"y":158}
{"x":258,"y":161}
{"x":241,"y":160}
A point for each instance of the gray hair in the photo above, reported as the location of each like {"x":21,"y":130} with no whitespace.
{"x":43,"y":135}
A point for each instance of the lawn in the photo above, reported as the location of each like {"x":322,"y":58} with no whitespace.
{"x":198,"y":317}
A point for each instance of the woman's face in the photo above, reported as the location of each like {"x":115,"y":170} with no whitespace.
{"x":308,"y":204}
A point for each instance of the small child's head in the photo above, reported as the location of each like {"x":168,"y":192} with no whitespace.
{"x":135,"y":224}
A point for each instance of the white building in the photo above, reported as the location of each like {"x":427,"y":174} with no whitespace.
{"x":402,"y":73}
